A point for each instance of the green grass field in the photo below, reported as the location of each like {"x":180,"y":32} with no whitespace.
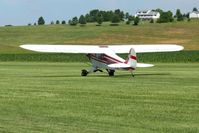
{"x":53,"y":97}
{"x":183,"y":33}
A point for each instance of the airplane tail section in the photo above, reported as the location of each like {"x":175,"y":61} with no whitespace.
{"x":132,"y":59}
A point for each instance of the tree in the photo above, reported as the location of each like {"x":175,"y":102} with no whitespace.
{"x":41,"y":21}
{"x":73,"y":22}
{"x":120,"y":14}
{"x":107,"y":15}
{"x":127,"y":15}
{"x":52,"y":23}
{"x":152,"y":21}
{"x":136,"y":21}
{"x":93,"y":15}
{"x":179,"y":15}
{"x":195,"y":9}
{"x":57,"y":22}
{"x":63,"y":22}
{"x":115,"y":19}
{"x":165,"y":17}
{"x":128,"y":22}
{"x":82,"y":20}
{"x":159,"y":10}
{"x":35,"y":24}
{"x":100,"y":18}
{"x":88,"y":18}
{"x":131,"y":18}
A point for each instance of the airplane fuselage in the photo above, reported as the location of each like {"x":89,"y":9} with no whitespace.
{"x":103,"y":60}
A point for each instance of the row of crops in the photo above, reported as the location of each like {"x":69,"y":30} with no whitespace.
{"x":183,"y":56}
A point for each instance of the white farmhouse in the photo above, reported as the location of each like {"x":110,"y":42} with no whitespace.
{"x":194,"y":14}
{"x":148,"y":15}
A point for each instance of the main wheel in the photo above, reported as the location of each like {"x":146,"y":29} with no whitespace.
{"x":111,"y":72}
{"x":84,"y":73}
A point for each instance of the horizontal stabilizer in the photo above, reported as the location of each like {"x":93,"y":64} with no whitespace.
{"x":119,"y":66}
{"x":144,"y":65}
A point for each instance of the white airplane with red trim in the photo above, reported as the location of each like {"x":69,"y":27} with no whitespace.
{"x":105,"y":57}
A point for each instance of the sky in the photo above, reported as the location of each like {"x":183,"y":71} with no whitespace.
{"x":22,"y":12}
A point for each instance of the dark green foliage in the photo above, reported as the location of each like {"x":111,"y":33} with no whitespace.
{"x":179,"y":15}
{"x":106,"y":16}
{"x":136,"y":21}
{"x":29,"y":24}
{"x":63,"y":22}
{"x":128,"y":22}
{"x":82,"y":20}
{"x":115,"y":18}
{"x":172,"y":57}
{"x":73,"y":22}
{"x":93,"y":15}
{"x":100,"y":18}
{"x":88,"y":18}
{"x":183,"y":56}
{"x":131,"y":18}
{"x":9,"y":25}
{"x":120,"y":14}
{"x":57,"y":22}
{"x":165,"y":17}
{"x":159,"y":10}
{"x":41,"y":21}
{"x":52,"y":22}
{"x":186,"y":15}
{"x":151,"y":21}
{"x":127,"y":15}
{"x":195,"y":9}
{"x":35,"y":24}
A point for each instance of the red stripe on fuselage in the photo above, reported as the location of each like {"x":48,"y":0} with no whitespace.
{"x":104,"y":59}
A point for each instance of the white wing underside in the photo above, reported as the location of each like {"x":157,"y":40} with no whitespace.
{"x":102,"y":49}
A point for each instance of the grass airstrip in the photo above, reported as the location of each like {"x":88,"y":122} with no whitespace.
{"x":45,"y":93}
{"x":53,"y":97}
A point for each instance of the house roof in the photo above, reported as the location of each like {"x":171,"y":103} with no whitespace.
{"x":148,"y":12}
{"x":196,"y":12}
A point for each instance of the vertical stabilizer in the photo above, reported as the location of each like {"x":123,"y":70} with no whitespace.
{"x":132,"y":59}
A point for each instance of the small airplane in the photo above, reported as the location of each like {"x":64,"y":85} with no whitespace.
{"x":105,"y":57}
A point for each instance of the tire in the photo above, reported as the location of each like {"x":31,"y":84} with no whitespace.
{"x":84,"y":73}
{"x":111,"y":72}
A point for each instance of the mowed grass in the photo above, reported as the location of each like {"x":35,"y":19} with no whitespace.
{"x":183,"y":33}
{"x":53,"y":97}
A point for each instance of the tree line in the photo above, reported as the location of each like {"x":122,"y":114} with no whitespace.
{"x":117,"y":16}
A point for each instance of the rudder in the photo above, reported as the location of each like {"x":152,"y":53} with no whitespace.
{"x":132,"y":59}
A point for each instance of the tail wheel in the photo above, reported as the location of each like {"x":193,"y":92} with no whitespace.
{"x":111,"y":72}
{"x":84,"y":73}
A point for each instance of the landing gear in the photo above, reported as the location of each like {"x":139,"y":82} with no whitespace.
{"x":133,"y":75}
{"x":84,"y":73}
{"x":111,"y":72}
{"x":97,"y":70}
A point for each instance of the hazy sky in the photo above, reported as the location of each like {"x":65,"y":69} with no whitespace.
{"x":22,"y":12}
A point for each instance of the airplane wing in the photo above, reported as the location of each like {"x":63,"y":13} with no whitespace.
{"x":147,"y":48}
{"x":102,"y":49}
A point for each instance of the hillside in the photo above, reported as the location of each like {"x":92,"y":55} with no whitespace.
{"x":183,"y":33}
